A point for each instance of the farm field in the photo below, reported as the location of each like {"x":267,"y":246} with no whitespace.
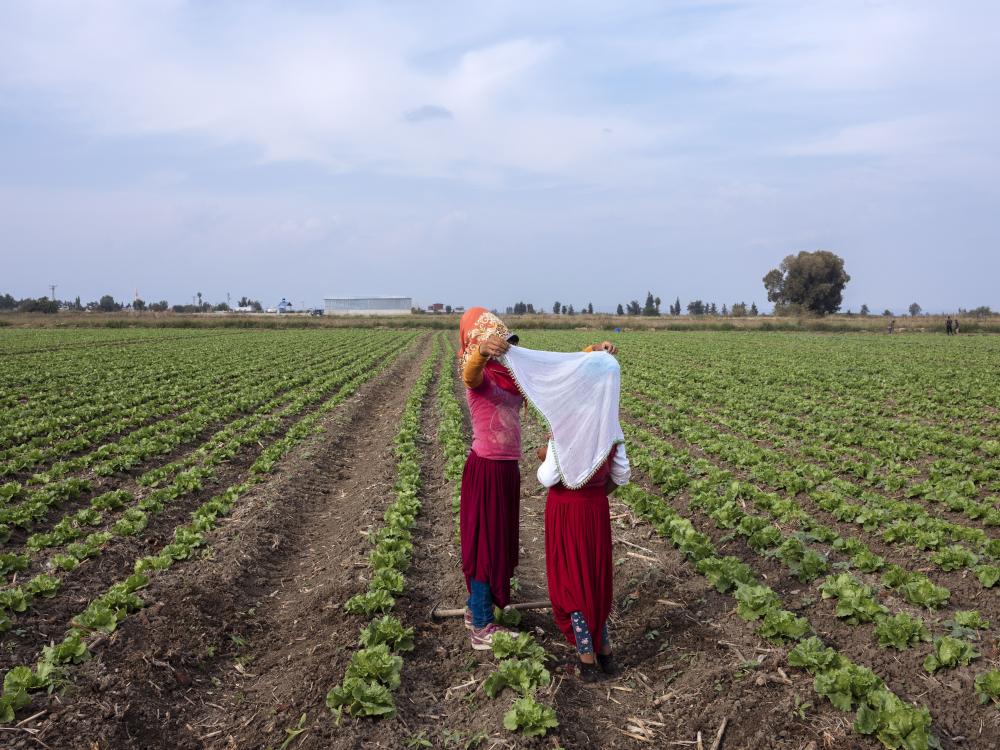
{"x":229,"y":538}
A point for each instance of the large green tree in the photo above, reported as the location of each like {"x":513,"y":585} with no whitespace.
{"x":813,"y":281}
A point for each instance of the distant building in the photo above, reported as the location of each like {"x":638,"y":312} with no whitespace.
{"x":368,"y":305}
{"x":284,"y":306}
{"x":436,"y":307}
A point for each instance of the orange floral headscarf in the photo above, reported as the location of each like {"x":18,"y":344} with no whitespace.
{"x":477,"y":325}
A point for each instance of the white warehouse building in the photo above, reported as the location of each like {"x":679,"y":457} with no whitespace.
{"x":368,"y":305}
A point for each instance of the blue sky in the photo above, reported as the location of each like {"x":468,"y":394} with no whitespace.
{"x":495,"y":152}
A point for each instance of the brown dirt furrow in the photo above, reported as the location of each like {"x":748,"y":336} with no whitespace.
{"x":235,"y":647}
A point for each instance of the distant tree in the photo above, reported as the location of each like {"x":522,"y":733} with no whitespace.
{"x":915,"y":310}
{"x":657,"y":301}
{"x":571,"y":311}
{"x":138,"y":305}
{"x":160,"y":306}
{"x":531,"y":309}
{"x":108,"y":304}
{"x":650,"y":307}
{"x":696,"y":307}
{"x":634,"y":307}
{"x":40,"y":305}
{"x":865,"y":312}
{"x":562,"y":310}
{"x":724,"y":310}
{"x":814,"y":281}
{"x":447,"y":309}
{"x":76,"y":304}
{"x":556,"y":308}
{"x":590,"y":308}
{"x":753,"y":309}
{"x":510,"y":310}
{"x":620,"y":310}
{"x":677,"y":307}
{"x":199,"y":299}
{"x":887,"y":312}
{"x":221,"y":307}
{"x":7,"y":302}
{"x":712,"y":310}
{"x":738,"y":310}
{"x":983,"y":311}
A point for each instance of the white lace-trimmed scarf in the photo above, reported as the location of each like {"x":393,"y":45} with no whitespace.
{"x":577,"y":394}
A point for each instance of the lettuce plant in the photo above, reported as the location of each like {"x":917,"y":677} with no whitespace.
{"x":900,"y":631}
{"x":530,"y":717}
{"x":895,"y":723}
{"x":390,"y":631}
{"x":359,"y":697}
{"x":523,"y":676}
{"x":755,"y":601}
{"x":370,"y":602}
{"x":949,"y":652}
{"x":725,"y":572}
{"x":522,"y":646}
{"x":988,"y":686}
{"x":781,"y":625}
{"x":376,"y":663}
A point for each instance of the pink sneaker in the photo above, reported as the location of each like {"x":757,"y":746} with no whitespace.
{"x":468,"y":619}
{"x":482,"y":638}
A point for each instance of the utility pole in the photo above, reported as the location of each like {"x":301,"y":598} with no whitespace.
{"x":53,"y":288}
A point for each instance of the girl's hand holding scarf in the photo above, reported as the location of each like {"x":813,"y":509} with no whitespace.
{"x":494,"y":346}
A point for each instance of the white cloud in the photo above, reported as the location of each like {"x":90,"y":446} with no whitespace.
{"x":902,"y":136}
{"x":297,"y":86}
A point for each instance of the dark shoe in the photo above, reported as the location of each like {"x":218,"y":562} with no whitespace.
{"x":607,"y":663}
{"x":589,"y":672}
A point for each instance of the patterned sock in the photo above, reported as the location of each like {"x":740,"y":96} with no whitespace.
{"x":584,"y":643}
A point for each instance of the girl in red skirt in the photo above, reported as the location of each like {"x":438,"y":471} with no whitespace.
{"x":578,"y":561}
{"x":583,"y":462}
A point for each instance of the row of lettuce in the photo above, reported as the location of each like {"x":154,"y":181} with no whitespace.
{"x":374,"y":670}
{"x":106,"y":612}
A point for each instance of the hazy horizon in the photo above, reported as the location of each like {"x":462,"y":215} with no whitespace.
{"x":499,"y":152}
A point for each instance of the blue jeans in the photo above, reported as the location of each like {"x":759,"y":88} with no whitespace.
{"x":480,"y":603}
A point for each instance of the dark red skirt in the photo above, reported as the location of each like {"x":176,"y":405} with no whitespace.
{"x":578,"y":557}
{"x":488,"y":520}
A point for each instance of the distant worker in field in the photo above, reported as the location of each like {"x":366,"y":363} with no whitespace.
{"x":491,"y":481}
{"x":892,"y":326}
{"x":948,"y":326}
{"x":582,"y":463}
{"x":956,"y":326}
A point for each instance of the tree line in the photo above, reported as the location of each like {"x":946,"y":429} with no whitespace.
{"x":107,"y":303}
